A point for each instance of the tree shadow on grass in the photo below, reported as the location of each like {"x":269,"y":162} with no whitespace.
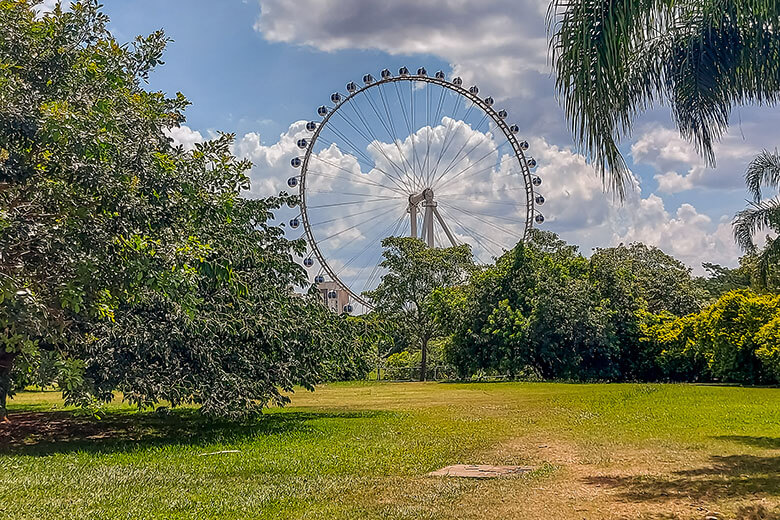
{"x":732,"y":476}
{"x":767,"y":443}
{"x":45,"y":433}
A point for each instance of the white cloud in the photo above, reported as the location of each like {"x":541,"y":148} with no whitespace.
{"x":508,"y":35}
{"x":184,"y":136}
{"x":687,"y":235}
{"x":579,"y":211}
{"x":683,"y":169}
{"x":576,"y":206}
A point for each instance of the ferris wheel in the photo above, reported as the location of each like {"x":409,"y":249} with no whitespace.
{"x":408,"y":155}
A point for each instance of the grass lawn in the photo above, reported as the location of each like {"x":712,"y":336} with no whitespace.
{"x":362,"y":450}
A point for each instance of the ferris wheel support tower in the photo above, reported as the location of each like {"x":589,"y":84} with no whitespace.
{"x":430,"y":212}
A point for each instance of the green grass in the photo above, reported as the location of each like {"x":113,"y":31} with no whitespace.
{"x":362,"y":450}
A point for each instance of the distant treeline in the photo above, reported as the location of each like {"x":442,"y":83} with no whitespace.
{"x":627,"y":313}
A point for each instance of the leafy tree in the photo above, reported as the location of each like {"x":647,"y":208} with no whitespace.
{"x":731,"y":340}
{"x":638,"y":278}
{"x":728,"y":331}
{"x":404,"y":295}
{"x":615,"y":59}
{"x":763,"y":214}
{"x":768,"y":347}
{"x":660,"y":281}
{"x":534,"y":308}
{"x":668,"y":343}
{"x":138,"y":264}
{"x":721,"y":280}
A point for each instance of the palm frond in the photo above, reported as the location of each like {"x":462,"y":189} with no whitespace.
{"x":761,"y":215}
{"x":764,"y":170}
{"x":768,"y":261}
{"x":614,"y":59}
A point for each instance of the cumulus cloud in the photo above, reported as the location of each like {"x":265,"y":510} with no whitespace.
{"x":483,"y":206}
{"x":580,"y":212}
{"x":184,"y":136}
{"x":461,"y":31}
{"x":681,"y":168}
{"x":47,"y":6}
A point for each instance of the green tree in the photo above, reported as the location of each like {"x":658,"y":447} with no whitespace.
{"x":762,"y":215}
{"x":731,"y":340}
{"x":534,"y":308}
{"x":638,"y":278}
{"x":615,"y":59}
{"x":137,"y":263}
{"x":720,"y":279}
{"x":404,"y":295}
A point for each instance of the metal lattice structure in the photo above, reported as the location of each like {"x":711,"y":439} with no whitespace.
{"x":412,"y":179}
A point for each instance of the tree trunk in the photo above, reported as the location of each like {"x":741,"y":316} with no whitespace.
{"x":6,"y":362}
{"x":424,"y":361}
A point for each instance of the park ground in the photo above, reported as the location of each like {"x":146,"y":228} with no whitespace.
{"x":362,"y":450}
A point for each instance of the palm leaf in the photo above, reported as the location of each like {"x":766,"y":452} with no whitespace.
{"x":764,"y":170}
{"x":614,"y":59}
{"x":761,"y":215}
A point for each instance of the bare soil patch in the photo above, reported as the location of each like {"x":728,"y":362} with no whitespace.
{"x":594,"y":482}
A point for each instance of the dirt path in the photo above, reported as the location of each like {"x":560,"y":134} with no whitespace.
{"x":598,"y":482}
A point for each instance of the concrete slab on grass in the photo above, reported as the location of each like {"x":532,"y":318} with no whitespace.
{"x":479,"y":471}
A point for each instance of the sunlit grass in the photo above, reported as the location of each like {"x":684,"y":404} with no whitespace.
{"x":362,"y":450}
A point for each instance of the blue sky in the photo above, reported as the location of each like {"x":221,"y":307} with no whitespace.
{"x":256,"y":67}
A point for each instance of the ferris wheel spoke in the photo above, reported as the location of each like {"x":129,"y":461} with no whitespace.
{"x":455,"y":159}
{"x":351,"y":241}
{"x":449,"y":135}
{"x":376,"y":141}
{"x":378,"y":261}
{"x":439,"y":106}
{"x":402,"y":104}
{"x":392,"y":127}
{"x":349,"y":193}
{"x":368,"y":246}
{"x":336,"y":204}
{"x":441,"y":189}
{"x":492,"y":202}
{"x":476,"y":216}
{"x":358,"y":179}
{"x":496,"y":150}
{"x":347,"y":217}
{"x":350,"y":228}
{"x":367,"y":161}
{"x":373,"y":260}
{"x":475,"y":236}
{"x":420,"y":162}
{"x":426,"y":160}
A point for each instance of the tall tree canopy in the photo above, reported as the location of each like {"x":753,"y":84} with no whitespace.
{"x":545,"y":307}
{"x":136,"y":262}
{"x":405,"y":293}
{"x":614,"y":59}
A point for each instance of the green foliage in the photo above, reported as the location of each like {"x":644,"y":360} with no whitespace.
{"x":405,"y":294}
{"x":137,"y":263}
{"x":615,"y":59}
{"x":732,"y":340}
{"x":532,"y":309}
{"x":546,"y":308}
{"x":767,"y":341}
{"x":720,"y":279}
